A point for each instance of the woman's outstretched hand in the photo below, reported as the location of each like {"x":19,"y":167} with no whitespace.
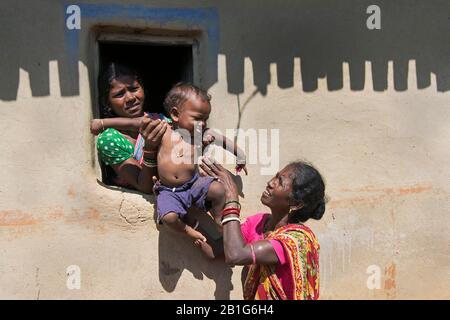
{"x":211,"y":168}
{"x":152,"y":131}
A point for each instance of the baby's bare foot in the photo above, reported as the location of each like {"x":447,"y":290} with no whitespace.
{"x":194,"y":235}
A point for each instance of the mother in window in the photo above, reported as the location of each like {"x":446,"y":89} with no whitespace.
{"x":128,"y":139}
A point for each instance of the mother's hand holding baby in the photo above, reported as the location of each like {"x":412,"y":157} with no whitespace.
{"x":152,"y":131}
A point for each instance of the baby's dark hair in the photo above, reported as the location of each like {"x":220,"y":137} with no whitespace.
{"x":180,"y":92}
{"x":113,"y":71}
{"x":308,"y":189}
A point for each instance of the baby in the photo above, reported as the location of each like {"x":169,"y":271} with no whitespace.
{"x":180,"y":186}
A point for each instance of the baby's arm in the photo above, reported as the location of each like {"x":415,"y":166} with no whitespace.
{"x":228,"y":145}
{"x":131,"y":124}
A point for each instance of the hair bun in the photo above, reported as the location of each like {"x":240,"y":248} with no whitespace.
{"x":319,"y":211}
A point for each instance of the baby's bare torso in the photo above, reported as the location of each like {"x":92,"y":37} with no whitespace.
{"x":176,"y":164}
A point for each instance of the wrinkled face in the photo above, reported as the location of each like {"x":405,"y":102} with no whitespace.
{"x":193,"y":114}
{"x":278,"y":190}
{"x":126,"y":97}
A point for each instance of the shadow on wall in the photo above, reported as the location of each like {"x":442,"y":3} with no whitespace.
{"x":323,"y":34}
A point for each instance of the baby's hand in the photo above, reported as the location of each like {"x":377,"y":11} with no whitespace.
{"x":207,"y":140}
{"x":155,"y":185}
{"x":240,"y":167}
{"x":96,"y":126}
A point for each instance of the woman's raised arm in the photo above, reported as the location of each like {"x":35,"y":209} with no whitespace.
{"x":236,"y":251}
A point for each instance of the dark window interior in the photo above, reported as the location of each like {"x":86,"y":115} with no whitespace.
{"x":160,"y":67}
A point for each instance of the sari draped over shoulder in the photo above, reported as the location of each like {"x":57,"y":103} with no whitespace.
{"x":302,"y":251}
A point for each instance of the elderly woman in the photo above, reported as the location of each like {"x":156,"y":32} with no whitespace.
{"x":130,"y":152}
{"x":282,"y":252}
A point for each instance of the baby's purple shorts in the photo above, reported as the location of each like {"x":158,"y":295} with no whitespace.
{"x":180,"y":199}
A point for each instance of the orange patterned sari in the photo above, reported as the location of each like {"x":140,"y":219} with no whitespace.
{"x":302,"y":250}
